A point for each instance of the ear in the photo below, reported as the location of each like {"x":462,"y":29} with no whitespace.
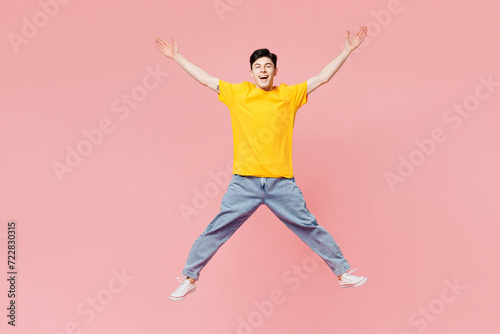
{"x":251,"y":73}
{"x":275,"y":71}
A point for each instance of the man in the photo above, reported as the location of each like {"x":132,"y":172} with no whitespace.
{"x":262,"y":117}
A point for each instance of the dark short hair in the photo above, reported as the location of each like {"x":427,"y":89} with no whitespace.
{"x":263,"y":53}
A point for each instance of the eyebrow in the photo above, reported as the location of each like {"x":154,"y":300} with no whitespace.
{"x":264,"y":64}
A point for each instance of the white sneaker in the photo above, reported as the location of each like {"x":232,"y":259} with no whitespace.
{"x":183,"y":290}
{"x":351,"y":281}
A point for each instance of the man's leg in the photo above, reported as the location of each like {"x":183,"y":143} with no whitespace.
{"x":240,"y":201}
{"x":285,"y":200}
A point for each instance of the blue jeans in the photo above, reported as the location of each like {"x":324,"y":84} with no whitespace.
{"x":284,"y":198}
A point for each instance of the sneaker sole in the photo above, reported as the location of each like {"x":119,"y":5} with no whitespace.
{"x":360,"y":283}
{"x":176,"y":299}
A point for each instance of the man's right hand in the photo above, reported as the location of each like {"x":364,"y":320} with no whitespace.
{"x":172,"y":51}
{"x":169,"y":50}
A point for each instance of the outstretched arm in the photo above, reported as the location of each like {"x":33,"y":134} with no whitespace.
{"x":172,"y":51}
{"x":351,"y":43}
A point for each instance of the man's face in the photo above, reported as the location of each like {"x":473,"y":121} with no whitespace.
{"x":263,"y":72}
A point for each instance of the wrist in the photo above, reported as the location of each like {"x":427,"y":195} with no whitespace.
{"x":177,"y":56}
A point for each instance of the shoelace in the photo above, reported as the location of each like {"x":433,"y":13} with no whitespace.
{"x":347,"y":275}
{"x":351,"y":271}
{"x":183,"y":285}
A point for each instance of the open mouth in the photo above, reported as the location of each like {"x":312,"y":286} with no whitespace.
{"x":263,"y":77}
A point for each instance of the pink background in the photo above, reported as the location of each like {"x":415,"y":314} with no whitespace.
{"x":119,"y":209}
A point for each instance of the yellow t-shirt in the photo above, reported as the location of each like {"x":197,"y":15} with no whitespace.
{"x":262,"y":123}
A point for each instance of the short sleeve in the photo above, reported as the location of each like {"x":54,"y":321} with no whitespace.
{"x":226,"y":92}
{"x":297,"y":94}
